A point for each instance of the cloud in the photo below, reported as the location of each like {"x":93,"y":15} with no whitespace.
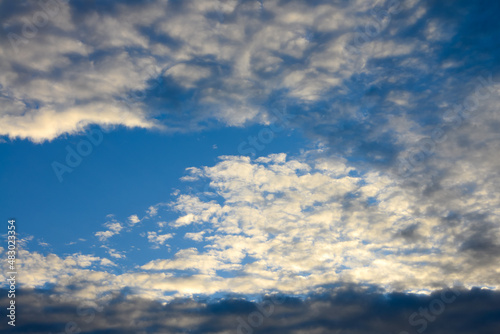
{"x":198,"y":236}
{"x":133,"y":220}
{"x":190,"y":65}
{"x":43,"y":270}
{"x":107,"y":262}
{"x":345,"y":309}
{"x":276,"y":218}
{"x":114,"y":228}
{"x":43,"y":244}
{"x":159,"y":239}
{"x":152,"y":211}
{"x":293,"y":224}
{"x":376,"y":84}
{"x":104,"y":235}
{"x":114,"y":253}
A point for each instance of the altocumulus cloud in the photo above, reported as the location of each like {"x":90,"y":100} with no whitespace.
{"x":401,"y":196}
{"x":177,"y":65}
{"x":386,"y":84}
{"x":293,"y":225}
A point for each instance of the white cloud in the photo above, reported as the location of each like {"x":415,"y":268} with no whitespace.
{"x":116,"y":254}
{"x":106,"y":262}
{"x":281,"y":223}
{"x":159,"y":239}
{"x":234,"y":65}
{"x":152,"y":211}
{"x":291,"y":218}
{"x":190,"y":258}
{"x":293,"y":224}
{"x":114,"y":228}
{"x":39,"y":270}
{"x":195,"y":236}
{"x":133,"y":220}
{"x":43,"y":244}
{"x":104,"y":235}
{"x":289,"y":225}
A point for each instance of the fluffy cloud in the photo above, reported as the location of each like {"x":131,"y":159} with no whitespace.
{"x":295,"y":224}
{"x":273,"y":222}
{"x":114,"y":227}
{"x":376,"y":84}
{"x":133,"y":220}
{"x":338,"y":65}
{"x":71,"y":271}
{"x":159,"y":239}
{"x":196,"y":236}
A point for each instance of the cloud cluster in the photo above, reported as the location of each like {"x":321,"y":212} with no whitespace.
{"x":288,"y":224}
{"x":113,"y":226}
{"x":179,"y":65}
{"x":158,"y":239}
{"x":350,"y":310}
{"x":408,"y":87}
{"x":294,"y":224}
{"x":74,"y":272}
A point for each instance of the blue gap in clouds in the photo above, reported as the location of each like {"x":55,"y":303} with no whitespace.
{"x":125,"y":174}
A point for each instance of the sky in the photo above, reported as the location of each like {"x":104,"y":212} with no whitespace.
{"x":251,"y":166}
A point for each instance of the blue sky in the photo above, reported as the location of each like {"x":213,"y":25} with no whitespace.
{"x":152,"y":162}
{"x":183,"y":151}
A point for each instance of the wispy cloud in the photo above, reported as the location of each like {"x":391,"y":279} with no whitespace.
{"x":114,"y":227}
{"x":159,"y":239}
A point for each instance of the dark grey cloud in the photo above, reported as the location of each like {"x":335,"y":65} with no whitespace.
{"x":348,"y":309}
{"x":410,"y":233}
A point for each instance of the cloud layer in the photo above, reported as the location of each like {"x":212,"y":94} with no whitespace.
{"x":351,"y":310}
{"x":400,"y":193}
{"x":362,"y":73}
{"x":292,"y":225}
